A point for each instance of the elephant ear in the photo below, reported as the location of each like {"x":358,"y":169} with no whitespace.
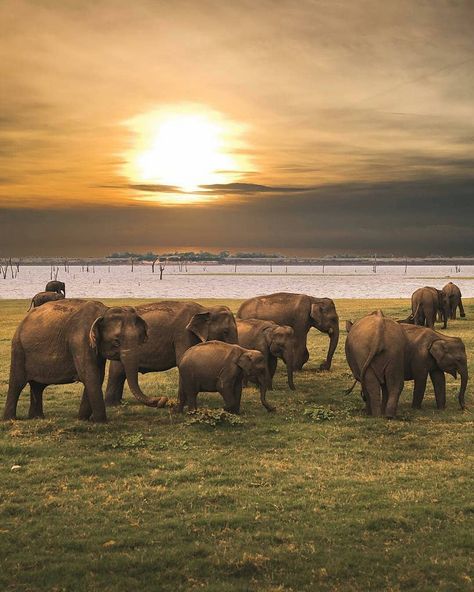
{"x":268,"y":334}
{"x":143,"y":328}
{"x":438,"y":351}
{"x":94,"y":333}
{"x":199,"y":325}
{"x":349,"y":325}
{"x":245,"y":362}
{"x":316,"y":313}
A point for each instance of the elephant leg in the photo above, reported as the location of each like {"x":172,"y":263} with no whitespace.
{"x":372,"y":390}
{"x":92,"y":381}
{"x":115,"y":384}
{"x":439,"y":384}
{"x":16,"y":384}
{"x":461,"y":309}
{"x":419,"y":388}
{"x":182,"y":396}
{"x":191,"y":399}
{"x":237,"y":395}
{"x":228,"y":392}
{"x":384,"y":398}
{"x":271,"y":369}
{"x":394,"y":389}
{"x":36,"y":400}
{"x":85,"y":408}
{"x":301,"y":352}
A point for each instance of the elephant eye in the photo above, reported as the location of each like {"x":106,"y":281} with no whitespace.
{"x":116,"y":342}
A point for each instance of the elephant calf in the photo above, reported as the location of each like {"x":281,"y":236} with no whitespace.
{"x":43,"y":297}
{"x":430,"y":352}
{"x":426,"y":303}
{"x":215,"y":366}
{"x":375,"y":350}
{"x":273,"y":341}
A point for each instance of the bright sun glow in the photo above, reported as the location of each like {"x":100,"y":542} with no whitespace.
{"x":185,"y":148}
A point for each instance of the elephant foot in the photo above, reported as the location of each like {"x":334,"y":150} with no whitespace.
{"x":36,"y":416}
{"x":323,"y":367}
{"x":161,"y":402}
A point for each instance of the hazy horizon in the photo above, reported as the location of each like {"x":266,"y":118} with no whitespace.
{"x":306,"y":129}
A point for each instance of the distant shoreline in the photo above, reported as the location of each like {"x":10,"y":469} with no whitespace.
{"x":273,"y":261}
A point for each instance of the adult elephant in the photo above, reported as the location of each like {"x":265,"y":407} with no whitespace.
{"x":173,"y":327}
{"x":375,"y":351}
{"x":301,"y":312}
{"x":455,"y":300}
{"x":69,"y":341}
{"x":431,"y":353}
{"x":273,"y":341}
{"x":425,"y":304}
{"x":43,"y":297}
{"x":56,"y":286}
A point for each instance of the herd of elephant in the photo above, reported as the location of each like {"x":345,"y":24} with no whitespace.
{"x":61,"y":341}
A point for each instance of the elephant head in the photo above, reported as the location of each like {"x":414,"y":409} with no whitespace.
{"x":117,"y":335}
{"x":281,"y":341}
{"x":324,"y":317}
{"x":450,"y":356}
{"x":253,"y":365}
{"x":216,"y":323}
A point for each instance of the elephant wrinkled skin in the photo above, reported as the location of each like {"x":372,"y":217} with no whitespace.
{"x":300,"y":312}
{"x":375,"y":351}
{"x":273,"y":341}
{"x":69,"y":341}
{"x":173,"y":327}
{"x":220,"y":367}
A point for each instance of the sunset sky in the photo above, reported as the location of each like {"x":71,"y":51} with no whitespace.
{"x":304,"y":127}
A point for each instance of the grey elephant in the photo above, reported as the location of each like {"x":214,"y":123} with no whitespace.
{"x":431,"y":353}
{"x":273,"y":341}
{"x":215,"y":366}
{"x":425,"y":304}
{"x":375,"y":351}
{"x":455,"y":300}
{"x":56,"y":286}
{"x":300,"y":312}
{"x":173,"y":327}
{"x":68,"y":341}
{"x":43,"y":297}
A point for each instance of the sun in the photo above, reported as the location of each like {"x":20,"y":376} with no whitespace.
{"x":185,"y":148}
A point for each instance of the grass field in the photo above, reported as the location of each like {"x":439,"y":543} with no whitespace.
{"x":313,"y":497}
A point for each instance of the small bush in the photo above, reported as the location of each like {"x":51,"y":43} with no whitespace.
{"x":315,"y":413}
{"x":213,"y":418}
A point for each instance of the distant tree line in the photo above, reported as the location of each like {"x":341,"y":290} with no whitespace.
{"x":190,"y":256}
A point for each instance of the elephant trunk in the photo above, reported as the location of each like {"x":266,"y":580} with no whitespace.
{"x":288,"y":358}
{"x":334,"y":339}
{"x":262,"y":383}
{"x":462,"y":390}
{"x":129,"y":359}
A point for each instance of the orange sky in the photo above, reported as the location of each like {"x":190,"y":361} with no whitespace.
{"x":318,"y":94}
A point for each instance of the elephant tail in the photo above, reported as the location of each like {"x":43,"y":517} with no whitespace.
{"x":376,"y":347}
{"x":349,"y":390}
{"x":31,"y":305}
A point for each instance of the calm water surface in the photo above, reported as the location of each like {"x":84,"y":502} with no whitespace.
{"x":223,"y":281}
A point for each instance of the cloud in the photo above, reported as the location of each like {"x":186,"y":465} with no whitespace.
{"x":405,"y":218}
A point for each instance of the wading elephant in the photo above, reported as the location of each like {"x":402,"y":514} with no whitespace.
{"x":375,"y":350}
{"x":173,"y":327}
{"x":455,"y":301}
{"x":273,"y":341}
{"x":431,"y":353}
{"x":220,"y":367}
{"x":56,"y":286}
{"x":300,"y":312}
{"x":68,"y":341}
{"x":43,"y":297}
{"x":425,"y":304}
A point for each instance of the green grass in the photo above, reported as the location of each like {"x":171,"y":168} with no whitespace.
{"x":313,"y":497}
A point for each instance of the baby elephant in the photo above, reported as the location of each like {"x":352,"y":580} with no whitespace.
{"x":273,"y":341}
{"x":43,"y":297}
{"x":430,"y":352}
{"x":215,"y":366}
